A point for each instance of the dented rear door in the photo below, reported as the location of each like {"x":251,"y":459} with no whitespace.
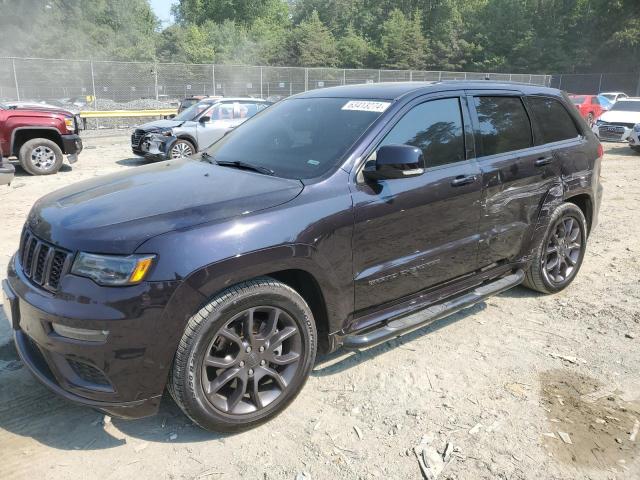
{"x":516,"y":175}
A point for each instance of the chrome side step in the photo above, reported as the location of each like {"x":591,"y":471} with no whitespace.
{"x":405,"y":324}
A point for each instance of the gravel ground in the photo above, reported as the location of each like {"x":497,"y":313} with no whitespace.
{"x":496,"y":382}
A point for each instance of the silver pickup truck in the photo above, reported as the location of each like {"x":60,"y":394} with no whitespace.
{"x":195,"y":129}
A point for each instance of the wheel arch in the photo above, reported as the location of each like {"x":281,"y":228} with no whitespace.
{"x":21,"y":135}
{"x":188,"y":138}
{"x":584,"y":202}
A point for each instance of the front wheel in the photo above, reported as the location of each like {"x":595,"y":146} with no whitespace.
{"x":40,"y":156}
{"x":558,"y":258}
{"x":244,"y":356}
{"x":182,"y":149}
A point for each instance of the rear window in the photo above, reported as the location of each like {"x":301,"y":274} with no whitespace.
{"x":577,"y":100}
{"x":504,"y":124}
{"x":552,"y":119}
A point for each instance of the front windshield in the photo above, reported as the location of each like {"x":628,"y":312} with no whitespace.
{"x":626,"y":106}
{"x":609,"y":96}
{"x":193,"y":111}
{"x":578,"y":100}
{"x":300,"y":137}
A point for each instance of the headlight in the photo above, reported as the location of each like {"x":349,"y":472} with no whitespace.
{"x":112,"y":270}
{"x":167,"y":133}
{"x":70,"y":123}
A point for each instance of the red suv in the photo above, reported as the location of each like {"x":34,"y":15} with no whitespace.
{"x":39,"y":137}
{"x":589,"y":106}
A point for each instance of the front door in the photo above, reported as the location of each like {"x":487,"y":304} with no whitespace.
{"x":414,"y":233}
{"x":222,"y":117}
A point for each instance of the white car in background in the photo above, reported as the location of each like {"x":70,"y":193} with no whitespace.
{"x":617,"y":124}
{"x":613,"y":97}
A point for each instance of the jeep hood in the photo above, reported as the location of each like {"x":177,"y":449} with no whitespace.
{"x":619,"y":116}
{"x":116,"y":213}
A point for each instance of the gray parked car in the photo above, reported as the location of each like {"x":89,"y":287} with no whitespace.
{"x":196,"y":128}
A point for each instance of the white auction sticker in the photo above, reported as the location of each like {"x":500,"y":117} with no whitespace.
{"x":366,"y":106}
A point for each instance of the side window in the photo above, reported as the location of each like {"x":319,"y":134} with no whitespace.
{"x":435,"y":127}
{"x":552,"y":119}
{"x":248,"y":110}
{"x":222,"y":111}
{"x":504,"y":124}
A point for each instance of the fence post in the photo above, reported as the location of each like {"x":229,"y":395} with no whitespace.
{"x":93,"y":87}
{"x":411,"y":75}
{"x":379,"y":75}
{"x":213,"y":77}
{"x":529,"y":78}
{"x":560,"y":83}
{"x":600,"y":84}
{"x":638,"y":87}
{"x":155,"y":78}
{"x":344,"y":76}
{"x":260,"y":82}
{"x":15,"y":78}
{"x":306,"y":79}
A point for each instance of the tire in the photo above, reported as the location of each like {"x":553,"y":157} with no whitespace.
{"x":40,"y":156}
{"x":221,"y":395}
{"x":542,"y":276}
{"x":636,"y":149}
{"x":182,"y":149}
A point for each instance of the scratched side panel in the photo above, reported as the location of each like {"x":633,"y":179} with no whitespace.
{"x":514,"y":191}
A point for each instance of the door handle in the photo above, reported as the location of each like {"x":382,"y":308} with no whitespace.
{"x":543,"y":161}
{"x":463,"y":180}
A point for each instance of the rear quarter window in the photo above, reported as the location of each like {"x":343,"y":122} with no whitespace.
{"x":552,"y":120}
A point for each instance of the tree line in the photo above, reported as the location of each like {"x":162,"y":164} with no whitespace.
{"x":528,"y":36}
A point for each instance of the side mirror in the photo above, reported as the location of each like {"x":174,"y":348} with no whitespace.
{"x":205,"y":119}
{"x":395,"y":161}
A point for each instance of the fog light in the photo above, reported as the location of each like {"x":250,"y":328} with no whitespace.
{"x":80,"y":333}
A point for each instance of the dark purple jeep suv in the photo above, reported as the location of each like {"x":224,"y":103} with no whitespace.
{"x":322,"y":222}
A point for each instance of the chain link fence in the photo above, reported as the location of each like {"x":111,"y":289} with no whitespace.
{"x":594,"y":83}
{"x":110,"y":85}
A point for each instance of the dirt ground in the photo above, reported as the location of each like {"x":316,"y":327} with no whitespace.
{"x":523,"y":386}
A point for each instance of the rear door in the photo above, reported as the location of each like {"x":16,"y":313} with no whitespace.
{"x":516,"y":174}
{"x":222,"y":117}
{"x":414,"y":233}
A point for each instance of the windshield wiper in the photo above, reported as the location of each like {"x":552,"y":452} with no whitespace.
{"x":240,"y":164}
{"x":208,"y":158}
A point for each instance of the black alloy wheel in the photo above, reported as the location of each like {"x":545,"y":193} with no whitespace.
{"x":244,"y":356}
{"x":558,"y":256}
{"x":251,"y":360}
{"x":564,"y":248}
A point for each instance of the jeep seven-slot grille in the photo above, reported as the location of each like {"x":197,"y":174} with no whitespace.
{"x":44,"y":264}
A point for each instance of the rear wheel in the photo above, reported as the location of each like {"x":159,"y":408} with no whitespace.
{"x":40,"y":156}
{"x":558,"y":258}
{"x":245,"y":356}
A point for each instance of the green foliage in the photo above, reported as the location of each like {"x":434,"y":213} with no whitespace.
{"x":403,"y":45}
{"x":313,"y":44}
{"x":107,"y":29}
{"x":542,"y":36}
